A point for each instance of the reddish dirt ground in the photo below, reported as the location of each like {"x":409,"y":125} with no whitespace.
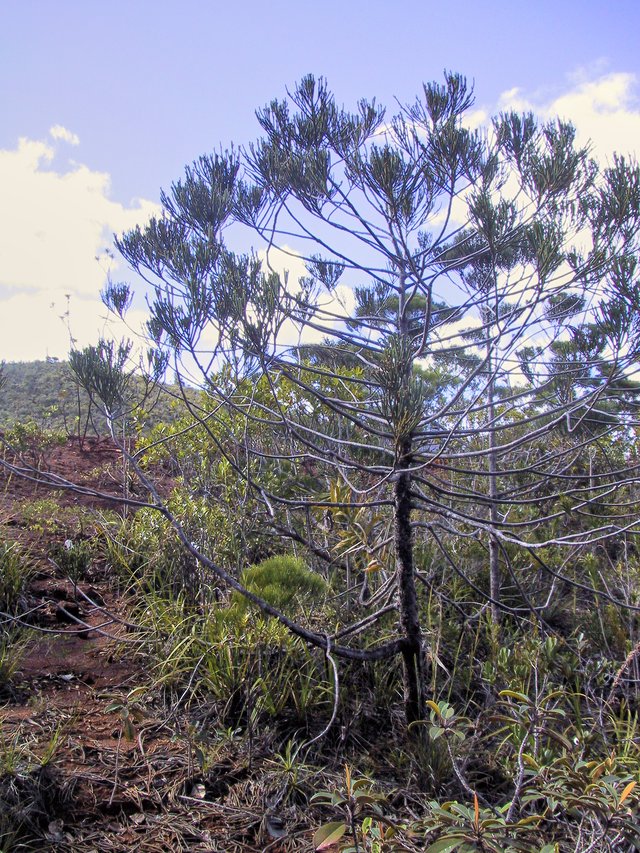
{"x":89,"y":772}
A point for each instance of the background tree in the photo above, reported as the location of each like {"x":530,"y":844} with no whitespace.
{"x":430,"y":251}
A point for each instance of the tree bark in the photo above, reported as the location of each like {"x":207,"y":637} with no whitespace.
{"x":489,"y":318}
{"x":495,"y":580}
{"x":412,"y":646}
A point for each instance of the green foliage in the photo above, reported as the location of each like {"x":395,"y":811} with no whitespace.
{"x":594,"y":801}
{"x":45,"y":515}
{"x":15,"y":570}
{"x":73,"y":558}
{"x":250,"y":669}
{"x":464,"y":829}
{"x":285,"y":582}
{"x":472,"y":493}
{"x":444,"y":722}
{"x":32,"y":389}
{"x":425,"y":420}
{"x":145,"y":547}
{"x":209,"y":645}
{"x":355,"y":796}
{"x":32,"y":440}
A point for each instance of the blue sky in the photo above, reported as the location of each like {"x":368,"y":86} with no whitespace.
{"x":104,"y":103}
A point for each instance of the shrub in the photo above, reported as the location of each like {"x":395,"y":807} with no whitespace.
{"x":285,"y":582}
{"x":33,"y":441}
{"x":73,"y":558}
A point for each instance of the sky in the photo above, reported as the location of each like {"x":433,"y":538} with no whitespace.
{"x":103,"y":104}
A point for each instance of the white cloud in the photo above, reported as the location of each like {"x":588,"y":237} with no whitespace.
{"x":60,"y":132}
{"x":605,"y":110}
{"x":53,"y":225}
{"x":338,"y":304}
{"x":475,"y":119}
{"x":34,"y":326}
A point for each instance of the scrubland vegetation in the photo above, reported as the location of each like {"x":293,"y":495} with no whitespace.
{"x":390,"y":579}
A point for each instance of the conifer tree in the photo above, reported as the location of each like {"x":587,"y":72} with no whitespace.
{"x":432,"y":252}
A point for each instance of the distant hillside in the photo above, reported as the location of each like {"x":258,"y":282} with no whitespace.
{"x":44,"y":391}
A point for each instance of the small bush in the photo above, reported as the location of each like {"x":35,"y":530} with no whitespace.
{"x":46,"y":515}
{"x":72,"y":558}
{"x":32,"y":440}
{"x":285,"y":582}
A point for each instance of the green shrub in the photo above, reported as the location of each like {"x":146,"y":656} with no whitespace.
{"x":72,"y":558}
{"x":145,"y":548}
{"x":47,"y":515}
{"x":285,"y":582}
{"x":32,"y":441}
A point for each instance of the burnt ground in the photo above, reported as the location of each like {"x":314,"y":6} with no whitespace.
{"x":85,"y":765}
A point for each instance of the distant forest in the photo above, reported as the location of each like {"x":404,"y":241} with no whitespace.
{"x":46,"y":392}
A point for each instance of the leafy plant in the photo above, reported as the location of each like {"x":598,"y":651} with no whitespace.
{"x":129,"y":709}
{"x":33,"y":441}
{"x":283,"y":581}
{"x":73,"y":558}
{"x":356,"y":796}
{"x":46,"y":515}
{"x":470,"y":829}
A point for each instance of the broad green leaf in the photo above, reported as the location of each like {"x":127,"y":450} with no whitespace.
{"x":445,"y":845}
{"x":526,"y":821}
{"x":328,"y":834}
{"x":561,"y":739}
{"x":330,"y":797}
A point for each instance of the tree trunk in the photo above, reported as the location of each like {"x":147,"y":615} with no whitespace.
{"x":495,"y":580}
{"x":412,"y":642}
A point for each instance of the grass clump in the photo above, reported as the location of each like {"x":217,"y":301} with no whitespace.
{"x":15,"y":571}
{"x":14,"y":574}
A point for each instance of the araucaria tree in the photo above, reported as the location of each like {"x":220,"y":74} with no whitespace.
{"x":461,"y":341}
